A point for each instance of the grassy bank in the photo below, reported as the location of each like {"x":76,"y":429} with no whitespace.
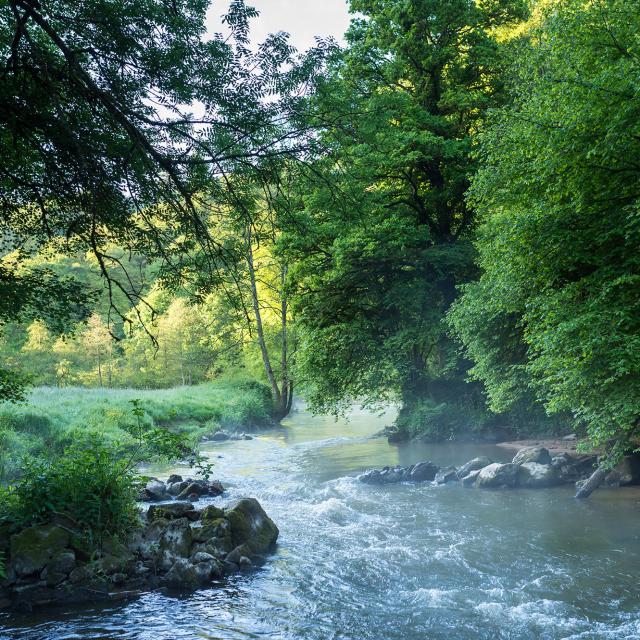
{"x":53,"y":418}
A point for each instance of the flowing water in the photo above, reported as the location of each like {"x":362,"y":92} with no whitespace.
{"x":401,"y":562}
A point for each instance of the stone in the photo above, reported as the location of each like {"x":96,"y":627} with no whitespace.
{"x":193,"y":488}
{"x":446,"y":474}
{"x":473,"y":465}
{"x":211,"y":529}
{"x":251,"y":525}
{"x":628,"y":470}
{"x":240,"y":551}
{"x":532,"y":475}
{"x":211,"y":512}
{"x":498,"y":475}
{"x":532,"y":454}
{"x":175,"y":541}
{"x":220,"y":436}
{"x":201,"y":556}
{"x":174,"y":488}
{"x":63,"y":562}
{"x":570,"y":437}
{"x":182,"y":575}
{"x":423,"y":472}
{"x":171,"y":511}
{"x":174,"y":477}
{"x":470,"y":479}
{"x":571,"y":469}
{"x":52,"y":578}
{"x":154,"y":491}
{"x":244,"y":562}
{"x":215,"y":488}
{"x":207,"y":571}
{"x":33,"y":548}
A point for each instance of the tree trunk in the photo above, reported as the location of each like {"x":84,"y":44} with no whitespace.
{"x":594,"y":481}
{"x":100,"y":371}
{"x":275,"y":390}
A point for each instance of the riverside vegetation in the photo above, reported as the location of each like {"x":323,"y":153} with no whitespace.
{"x":442,"y":213}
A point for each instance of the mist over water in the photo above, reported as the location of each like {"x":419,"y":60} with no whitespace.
{"x":398,"y":562}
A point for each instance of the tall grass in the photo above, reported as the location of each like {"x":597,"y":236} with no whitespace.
{"x":53,"y":418}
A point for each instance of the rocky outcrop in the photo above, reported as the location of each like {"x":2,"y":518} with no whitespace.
{"x":421,"y":472}
{"x":176,"y":488}
{"x":175,"y":547}
{"x":532,"y":468}
{"x":497,"y":475}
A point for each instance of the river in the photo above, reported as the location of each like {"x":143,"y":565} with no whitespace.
{"x":401,"y":562}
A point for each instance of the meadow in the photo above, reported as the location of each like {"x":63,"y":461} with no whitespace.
{"x":52,"y":418}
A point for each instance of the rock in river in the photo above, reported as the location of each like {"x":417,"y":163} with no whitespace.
{"x":498,"y":475}
{"x":532,"y":475}
{"x":473,"y":465}
{"x":532,"y":454}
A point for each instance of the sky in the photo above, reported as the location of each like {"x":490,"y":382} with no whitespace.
{"x":302,"y":19}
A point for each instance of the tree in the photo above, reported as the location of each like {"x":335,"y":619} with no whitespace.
{"x":384,"y":238}
{"x":98,"y":142}
{"x":97,"y":341}
{"x":556,"y":310}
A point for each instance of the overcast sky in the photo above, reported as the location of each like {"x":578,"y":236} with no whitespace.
{"x":302,"y":19}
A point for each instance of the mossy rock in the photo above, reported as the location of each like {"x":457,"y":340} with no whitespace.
{"x":250,"y":525}
{"x":33,"y":548}
{"x":210,"y":513}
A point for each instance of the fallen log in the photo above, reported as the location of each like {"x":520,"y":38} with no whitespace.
{"x":590,"y":485}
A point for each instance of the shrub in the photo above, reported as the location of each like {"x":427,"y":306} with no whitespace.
{"x":92,"y":484}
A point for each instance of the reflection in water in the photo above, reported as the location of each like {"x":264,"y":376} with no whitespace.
{"x":403,"y":562}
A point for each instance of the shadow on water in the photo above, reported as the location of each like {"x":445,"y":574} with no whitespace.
{"x":403,"y":562}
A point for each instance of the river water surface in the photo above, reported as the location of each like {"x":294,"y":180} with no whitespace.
{"x":402,"y":562}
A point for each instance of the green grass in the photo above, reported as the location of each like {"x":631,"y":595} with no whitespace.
{"x":53,"y":418}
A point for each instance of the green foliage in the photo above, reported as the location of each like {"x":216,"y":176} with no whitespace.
{"x":92,"y":484}
{"x":54,"y":419}
{"x":384,"y":236}
{"x":556,"y":311}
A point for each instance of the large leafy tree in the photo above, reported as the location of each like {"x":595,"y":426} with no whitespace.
{"x":556,"y":312}
{"x":384,"y":238}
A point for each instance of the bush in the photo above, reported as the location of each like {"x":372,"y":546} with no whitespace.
{"x":92,"y":484}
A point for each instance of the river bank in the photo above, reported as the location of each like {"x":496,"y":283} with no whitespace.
{"x":399,"y":562}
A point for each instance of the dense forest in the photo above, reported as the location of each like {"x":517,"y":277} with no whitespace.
{"x":441,"y":213}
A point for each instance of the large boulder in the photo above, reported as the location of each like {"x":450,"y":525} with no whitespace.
{"x":175,"y":542}
{"x":35,"y":547}
{"x":532,"y":454}
{"x":498,"y":475}
{"x":250,"y":525}
{"x":473,"y":465}
{"x":533,"y":475}
{"x":182,"y":575}
{"x":424,"y":472}
{"x":154,"y":491}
